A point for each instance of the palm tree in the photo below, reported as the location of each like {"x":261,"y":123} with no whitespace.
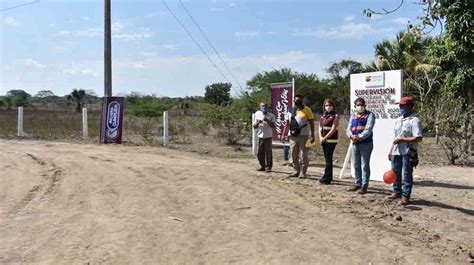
{"x":77,"y":95}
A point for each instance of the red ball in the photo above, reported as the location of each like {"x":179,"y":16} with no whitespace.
{"x":390,"y":177}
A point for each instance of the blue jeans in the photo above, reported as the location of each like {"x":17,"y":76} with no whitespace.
{"x":286,"y":152}
{"x":361,"y":163}
{"x":401,"y":164}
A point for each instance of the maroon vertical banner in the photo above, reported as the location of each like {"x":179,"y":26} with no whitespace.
{"x":282,"y":95}
{"x":111,"y":120}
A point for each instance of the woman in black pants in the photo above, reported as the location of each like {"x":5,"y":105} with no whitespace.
{"x":328,"y":137}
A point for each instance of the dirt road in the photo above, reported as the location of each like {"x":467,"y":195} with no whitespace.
{"x":71,"y":203}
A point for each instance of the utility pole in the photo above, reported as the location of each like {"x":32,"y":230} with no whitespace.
{"x":107,"y":50}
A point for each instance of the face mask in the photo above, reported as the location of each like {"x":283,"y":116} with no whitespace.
{"x":403,"y":112}
{"x":264,"y":110}
{"x":328,"y":109}
{"x":360,"y":109}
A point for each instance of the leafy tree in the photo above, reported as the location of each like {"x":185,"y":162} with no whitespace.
{"x":339,"y":82}
{"x":44,"y":94}
{"x":231,"y":122}
{"x":218,"y":93}
{"x":17,"y":98}
{"x":77,"y":96}
{"x":148,"y":108}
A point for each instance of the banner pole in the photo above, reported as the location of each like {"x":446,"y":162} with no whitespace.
{"x":346,"y":160}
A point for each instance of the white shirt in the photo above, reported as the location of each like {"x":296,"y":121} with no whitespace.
{"x":264,"y":130}
{"x":406,"y":127}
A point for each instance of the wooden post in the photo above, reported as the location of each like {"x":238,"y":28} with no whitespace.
{"x":85,"y":128}
{"x":20,"y":122}
{"x":165,"y":129}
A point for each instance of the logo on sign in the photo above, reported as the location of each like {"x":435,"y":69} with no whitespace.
{"x":113,"y":119}
{"x":375,"y":80}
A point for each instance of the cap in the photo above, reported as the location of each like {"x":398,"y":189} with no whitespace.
{"x":406,"y":101}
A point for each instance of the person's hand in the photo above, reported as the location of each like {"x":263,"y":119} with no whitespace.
{"x":397,"y":141}
{"x":322,"y":140}
{"x":354,"y":138}
{"x":390,"y":157}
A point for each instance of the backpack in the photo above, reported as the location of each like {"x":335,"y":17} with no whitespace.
{"x":295,"y":128}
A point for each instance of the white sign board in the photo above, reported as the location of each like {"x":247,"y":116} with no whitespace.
{"x":381,"y":91}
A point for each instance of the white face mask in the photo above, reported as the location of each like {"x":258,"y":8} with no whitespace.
{"x":360,"y":109}
{"x":328,"y":109}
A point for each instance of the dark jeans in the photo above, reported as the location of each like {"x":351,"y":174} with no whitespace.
{"x":265,"y":157}
{"x":401,"y":164}
{"x":328,"y":149}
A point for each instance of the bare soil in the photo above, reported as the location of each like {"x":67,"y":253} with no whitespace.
{"x":65,"y":203}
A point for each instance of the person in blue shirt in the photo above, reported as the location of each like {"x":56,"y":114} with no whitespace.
{"x":359,"y":130}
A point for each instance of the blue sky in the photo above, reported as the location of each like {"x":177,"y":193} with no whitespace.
{"x":58,"y":45}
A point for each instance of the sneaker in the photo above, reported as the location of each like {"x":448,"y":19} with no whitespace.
{"x":286,"y":163}
{"x":362,"y":191}
{"x":394,"y":196}
{"x":404,"y":201}
{"x":290,"y":165}
{"x":295,"y":175}
{"x":355,"y":188}
{"x":303,"y":176}
{"x":269,"y":169}
{"x":261,"y":169}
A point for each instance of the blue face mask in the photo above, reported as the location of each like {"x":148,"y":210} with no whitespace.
{"x":264,"y":110}
{"x":403,"y":112}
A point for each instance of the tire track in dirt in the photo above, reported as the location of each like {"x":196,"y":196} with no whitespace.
{"x":52,"y":177}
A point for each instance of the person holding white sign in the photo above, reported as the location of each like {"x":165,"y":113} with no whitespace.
{"x":359,"y":130}
{"x":264,"y":122}
{"x":403,"y":154}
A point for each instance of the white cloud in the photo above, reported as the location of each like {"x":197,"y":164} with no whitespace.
{"x":52,"y":25}
{"x":232,"y":4}
{"x":271,"y":33}
{"x":348,"y":18}
{"x":214,"y":9}
{"x":169,"y":46}
{"x":33,"y":63}
{"x":118,"y":32}
{"x":85,"y":18}
{"x":349,"y":30}
{"x":246,"y":34}
{"x":10,"y":21}
{"x":401,"y":20}
{"x":81,"y":69}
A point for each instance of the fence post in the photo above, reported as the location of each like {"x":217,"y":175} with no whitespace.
{"x":165,"y":129}
{"x":20,"y":122}
{"x":254,"y":137}
{"x":85,"y":128}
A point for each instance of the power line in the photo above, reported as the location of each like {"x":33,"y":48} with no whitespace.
{"x":194,"y":40}
{"x":17,"y":6}
{"x":209,"y":42}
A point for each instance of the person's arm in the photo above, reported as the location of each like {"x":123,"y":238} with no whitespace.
{"x":271,"y":121}
{"x":416,"y":134}
{"x":368,"y":127}
{"x":348,"y":129}
{"x":311,"y":127}
{"x":320,"y":132}
{"x":284,"y":134}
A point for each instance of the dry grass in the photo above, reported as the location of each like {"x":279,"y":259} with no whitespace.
{"x":187,"y":133}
